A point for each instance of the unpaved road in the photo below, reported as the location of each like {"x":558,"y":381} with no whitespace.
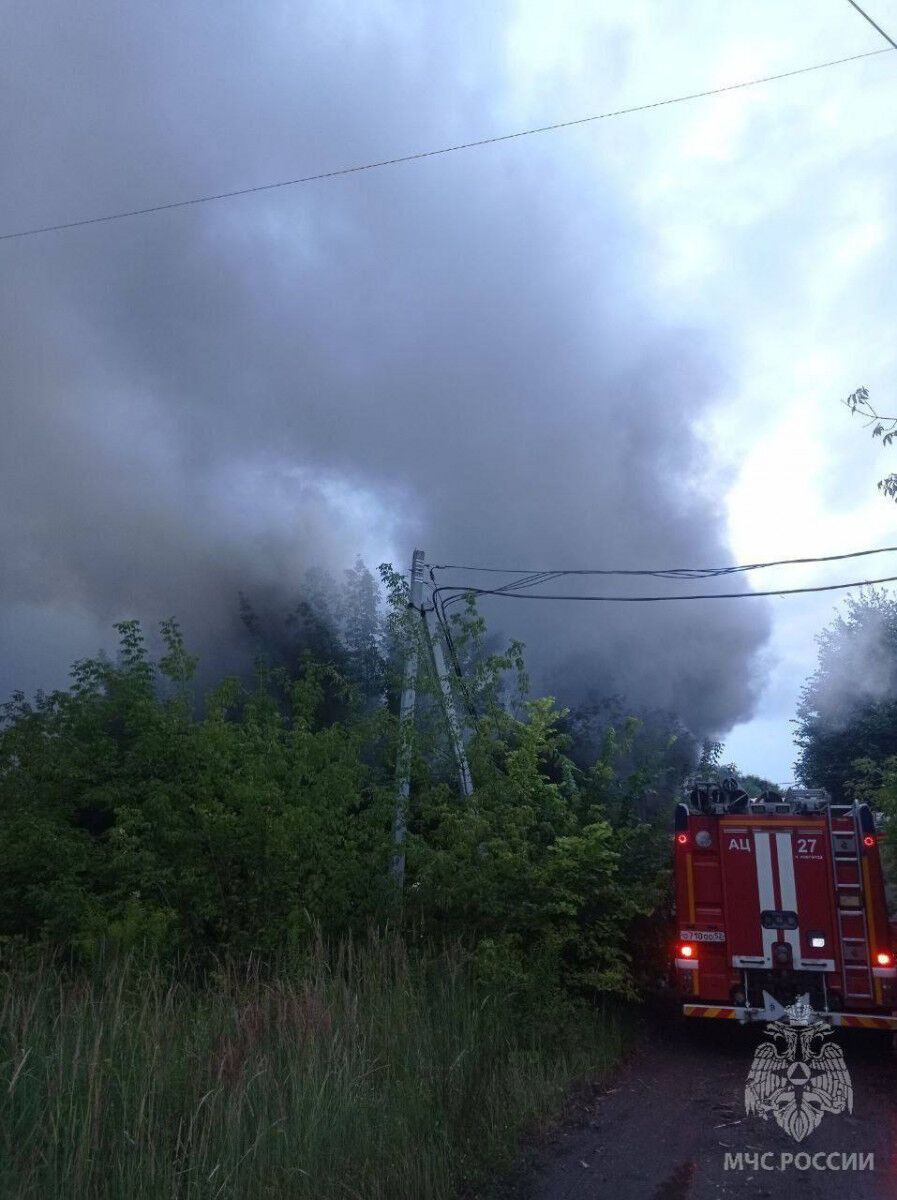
{"x":664,"y":1126}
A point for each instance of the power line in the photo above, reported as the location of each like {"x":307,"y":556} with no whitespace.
{"x":406,"y":158}
{"x":446,"y":631}
{"x":532,"y":576}
{"x":872,"y":23}
{"x":828,"y":587}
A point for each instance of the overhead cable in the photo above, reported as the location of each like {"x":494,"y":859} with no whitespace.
{"x":666,"y":572}
{"x":421,"y":154}
{"x":459,"y":591}
{"x":886,"y":36}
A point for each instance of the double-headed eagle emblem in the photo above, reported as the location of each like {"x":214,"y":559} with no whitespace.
{"x":798,"y":1076}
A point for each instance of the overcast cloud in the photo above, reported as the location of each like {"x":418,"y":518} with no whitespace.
{"x":620,"y":345}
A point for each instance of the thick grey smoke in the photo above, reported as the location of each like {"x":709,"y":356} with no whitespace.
{"x":456,"y":353}
{"x":856,"y":665}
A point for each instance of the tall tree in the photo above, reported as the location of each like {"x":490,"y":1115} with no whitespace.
{"x":362,"y":629}
{"x":848,"y":707}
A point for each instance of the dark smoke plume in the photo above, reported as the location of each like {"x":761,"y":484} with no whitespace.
{"x":456,"y":353}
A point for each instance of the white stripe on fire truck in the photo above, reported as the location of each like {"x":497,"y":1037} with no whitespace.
{"x":765,"y":890}
{"x":788,"y":890}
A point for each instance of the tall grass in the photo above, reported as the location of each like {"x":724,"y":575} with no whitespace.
{"x":348,"y":1072}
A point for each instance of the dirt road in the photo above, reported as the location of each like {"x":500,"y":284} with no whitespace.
{"x":665,"y":1126}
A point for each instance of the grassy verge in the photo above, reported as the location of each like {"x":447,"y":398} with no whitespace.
{"x":350,"y":1072}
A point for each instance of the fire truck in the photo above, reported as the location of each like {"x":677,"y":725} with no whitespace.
{"x":777,"y":898}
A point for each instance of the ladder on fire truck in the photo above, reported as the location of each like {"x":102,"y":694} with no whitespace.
{"x":853,"y":933}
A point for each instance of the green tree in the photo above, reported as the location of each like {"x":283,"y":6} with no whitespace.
{"x":362,"y":630}
{"x":711,"y":756}
{"x":547,"y":861}
{"x":755,"y":784}
{"x":848,"y":707}
{"x":313,"y":624}
{"x":656,"y":755}
{"x":122,"y":816}
{"x":128,"y":816}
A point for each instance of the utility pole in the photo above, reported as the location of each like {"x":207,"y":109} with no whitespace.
{"x":448,"y":704}
{"x":406,"y":720}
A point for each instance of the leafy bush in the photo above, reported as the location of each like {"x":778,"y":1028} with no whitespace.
{"x":127,"y":818}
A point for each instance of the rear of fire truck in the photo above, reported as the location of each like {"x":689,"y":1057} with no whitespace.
{"x":777,"y":898}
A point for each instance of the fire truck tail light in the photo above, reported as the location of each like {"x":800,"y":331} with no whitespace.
{"x":884,"y":959}
{"x":869,"y":840}
{"x":682,"y":839}
{"x":687,"y":950}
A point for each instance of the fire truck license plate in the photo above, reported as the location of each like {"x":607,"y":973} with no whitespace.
{"x":701,"y":935}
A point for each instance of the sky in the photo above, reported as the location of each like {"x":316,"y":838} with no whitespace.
{"x":622,"y":344}
{"x":770,"y":213}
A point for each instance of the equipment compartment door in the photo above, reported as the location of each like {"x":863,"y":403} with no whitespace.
{"x":805,"y":881}
{"x":778,"y":891}
{"x":742,"y":878}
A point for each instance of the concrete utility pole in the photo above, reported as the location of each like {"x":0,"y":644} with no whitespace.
{"x":448,"y":704}
{"x":406,"y":720}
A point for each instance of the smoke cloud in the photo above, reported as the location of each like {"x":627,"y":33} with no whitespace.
{"x":456,"y":353}
{"x":856,"y":666}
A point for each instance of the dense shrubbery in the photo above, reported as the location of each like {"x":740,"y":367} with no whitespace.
{"x":350,"y":1069}
{"x":128,"y":818}
{"x":210,"y":985}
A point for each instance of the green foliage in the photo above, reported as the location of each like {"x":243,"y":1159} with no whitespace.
{"x":380,"y":1069}
{"x":755,"y":784}
{"x":546,"y":862}
{"x":712,"y":767}
{"x":127,"y":818}
{"x":653,"y":752}
{"x":363,"y":632}
{"x":172,"y":1021}
{"x":848,"y":706}
{"x":711,"y":755}
{"x":875,"y":783}
{"x":882,"y":427}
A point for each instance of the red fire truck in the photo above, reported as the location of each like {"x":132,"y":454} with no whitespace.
{"x":778,"y":897}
